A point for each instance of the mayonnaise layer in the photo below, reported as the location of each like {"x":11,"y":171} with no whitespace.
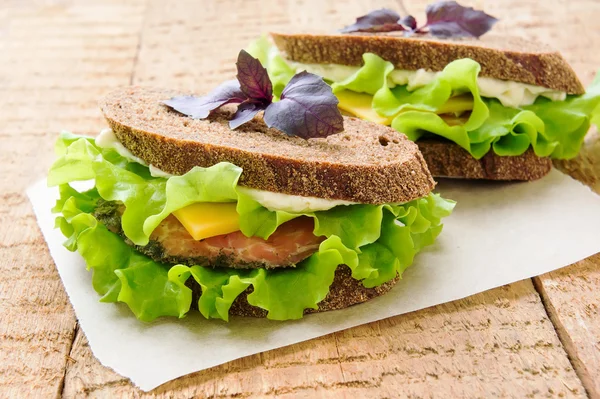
{"x":290,"y":203}
{"x":270,"y":200}
{"x":511,"y":94}
{"x":107,"y":139}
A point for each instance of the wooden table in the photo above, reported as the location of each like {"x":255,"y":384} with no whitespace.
{"x":533,"y":338}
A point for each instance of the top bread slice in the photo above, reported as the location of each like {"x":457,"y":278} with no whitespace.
{"x":367,"y":163}
{"x":500,"y":57}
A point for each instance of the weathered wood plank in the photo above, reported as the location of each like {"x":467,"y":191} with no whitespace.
{"x":57,"y":57}
{"x":499,"y":343}
{"x":571,"y":294}
{"x":573,"y":303}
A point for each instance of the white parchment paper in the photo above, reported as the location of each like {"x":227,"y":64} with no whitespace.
{"x":499,"y":233}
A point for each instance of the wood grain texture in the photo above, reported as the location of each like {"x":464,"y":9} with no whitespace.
{"x":499,"y":343}
{"x":56,"y":59}
{"x":59,"y":57}
{"x":572,"y":301}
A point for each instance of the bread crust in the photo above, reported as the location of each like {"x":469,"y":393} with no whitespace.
{"x":345,"y":291}
{"x":447,"y":159}
{"x":500,"y":57}
{"x":367,"y":163}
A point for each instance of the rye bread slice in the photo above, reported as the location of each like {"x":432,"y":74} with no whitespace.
{"x":447,"y":159}
{"x":367,"y":163}
{"x":500,"y":57}
{"x":345,"y":291}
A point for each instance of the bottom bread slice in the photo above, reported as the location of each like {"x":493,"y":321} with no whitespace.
{"x":345,"y":291}
{"x":447,"y":159}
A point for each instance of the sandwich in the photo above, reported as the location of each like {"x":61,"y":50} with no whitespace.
{"x":235,"y":204}
{"x":478,"y":106}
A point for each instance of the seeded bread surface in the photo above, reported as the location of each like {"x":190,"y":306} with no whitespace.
{"x":447,"y":159}
{"x":500,"y":57}
{"x":367,"y":163}
{"x":345,"y":291}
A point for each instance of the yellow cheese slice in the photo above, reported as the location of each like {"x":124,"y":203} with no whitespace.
{"x":457,"y":105}
{"x":209,"y":219}
{"x":359,"y":105}
{"x":452,"y":120}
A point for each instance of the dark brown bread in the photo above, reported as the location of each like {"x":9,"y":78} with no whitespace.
{"x":446,"y":159}
{"x":500,"y":57}
{"x":344,"y":291}
{"x":367,"y":163}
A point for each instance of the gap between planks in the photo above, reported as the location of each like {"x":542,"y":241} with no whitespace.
{"x":138,"y":48}
{"x":565,"y":339}
{"x":68,"y":359}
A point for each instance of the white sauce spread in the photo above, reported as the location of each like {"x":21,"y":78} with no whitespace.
{"x":107,"y":139}
{"x":510,"y":94}
{"x":155,"y":172}
{"x":290,"y":203}
{"x":270,"y":200}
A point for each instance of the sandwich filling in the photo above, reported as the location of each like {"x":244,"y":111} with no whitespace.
{"x":479,"y":114}
{"x":145,"y":236}
{"x":187,"y":237}
{"x":510,"y":94}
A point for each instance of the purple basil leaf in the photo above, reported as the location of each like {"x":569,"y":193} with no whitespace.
{"x":254,"y":79}
{"x":200,"y":107}
{"x":307,"y":108}
{"x":409,"y":22}
{"x":384,"y":20}
{"x":245,"y":113}
{"x":450,"y":19}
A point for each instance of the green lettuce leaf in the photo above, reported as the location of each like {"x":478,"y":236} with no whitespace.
{"x":258,"y":221}
{"x":152,"y":289}
{"x":375,"y":241}
{"x":291,"y":291}
{"x":121,"y":274}
{"x":552,"y":128}
{"x":148,"y":200}
{"x":368,"y":79}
